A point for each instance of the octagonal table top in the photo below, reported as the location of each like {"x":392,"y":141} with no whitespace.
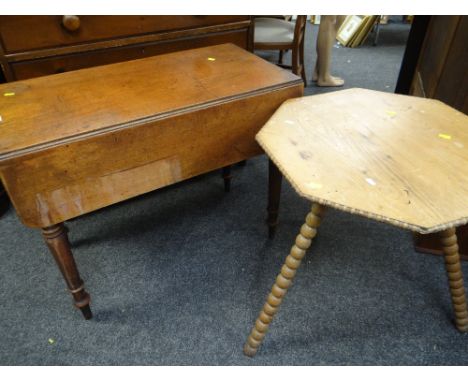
{"x":393,"y":158}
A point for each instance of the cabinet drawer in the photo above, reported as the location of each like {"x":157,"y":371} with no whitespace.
{"x":25,"y":33}
{"x":42,"y":67}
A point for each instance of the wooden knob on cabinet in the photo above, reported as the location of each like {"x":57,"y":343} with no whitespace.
{"x":71,"y":23}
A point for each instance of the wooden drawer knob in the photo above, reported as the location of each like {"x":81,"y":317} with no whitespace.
{"x":71,"y":23}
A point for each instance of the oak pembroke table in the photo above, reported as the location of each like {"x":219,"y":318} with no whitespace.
{"x":76,"y":142}
{"x":397,"y":159}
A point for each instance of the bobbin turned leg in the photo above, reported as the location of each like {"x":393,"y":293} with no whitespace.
{"x":455,"y":276}
{"x":227,"y":176}
{"x":284,"y":280}
{"x":274,"y":192}
{"x":57,"y":240}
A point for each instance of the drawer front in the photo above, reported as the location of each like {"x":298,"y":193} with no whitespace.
{"x":25,"y":33}
{"x":42,"y":67}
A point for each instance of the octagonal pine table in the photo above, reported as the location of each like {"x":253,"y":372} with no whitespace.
{"x":397,"y":159}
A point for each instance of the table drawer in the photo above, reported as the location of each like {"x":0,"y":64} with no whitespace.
{"x":24,"y":33}
{"x":42,"y":67}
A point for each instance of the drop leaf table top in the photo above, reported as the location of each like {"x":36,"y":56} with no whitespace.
{"x":75,"y":142}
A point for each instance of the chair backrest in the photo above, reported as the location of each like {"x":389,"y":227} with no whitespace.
{"x":299,"y":30}
{"x":298,"y":44}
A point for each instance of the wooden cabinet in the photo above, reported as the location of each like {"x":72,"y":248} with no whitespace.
{"x":439,"y":72}
{"x":27,"y":33}
{"x":33,"y":46}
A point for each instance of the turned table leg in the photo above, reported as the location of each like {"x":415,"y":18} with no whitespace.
{"x":57,"y":240}
{"x":284,"y":280}
{"x":455,"y":276}
{"x":274,"y":192}
{"x":227,"y":176}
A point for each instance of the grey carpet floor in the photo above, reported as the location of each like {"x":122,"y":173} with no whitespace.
{"x":177,"y":276}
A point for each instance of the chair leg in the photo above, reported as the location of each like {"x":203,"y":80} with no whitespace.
{"x":455,"y":277}
{"x":284,"y":280}
{"x":301,"y":61}
{"x":298,"y":65}
{"x":304,"y":78}
{"x":280,"y":58}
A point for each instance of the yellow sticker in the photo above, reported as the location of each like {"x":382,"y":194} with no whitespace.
{"x":445,"y":136}
{"x":314,"y":186}
{"x":9,"y":94}
{"x":391,"y":113}
{"x":51,"y":341}
{"x":211,"y":59}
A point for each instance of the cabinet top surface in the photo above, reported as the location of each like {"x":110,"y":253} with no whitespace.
{"x":51,"y":110}
{"x":398,"y":159}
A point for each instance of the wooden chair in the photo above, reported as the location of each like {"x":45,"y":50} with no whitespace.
{"x":271,"y":33}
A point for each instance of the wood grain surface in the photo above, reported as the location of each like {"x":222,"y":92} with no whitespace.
{"x":80,"y":141}
{"x":48,"y":110}
{"x":393,"y":158}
